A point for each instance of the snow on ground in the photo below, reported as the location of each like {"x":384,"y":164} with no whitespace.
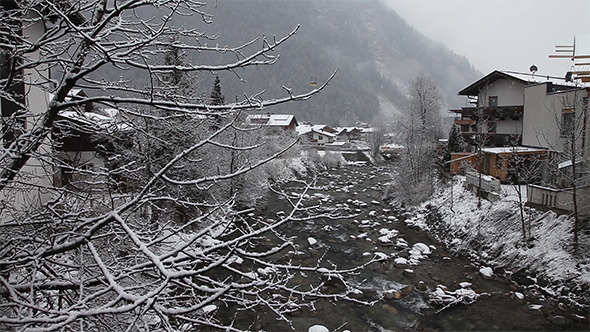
{"x":493,"y":235}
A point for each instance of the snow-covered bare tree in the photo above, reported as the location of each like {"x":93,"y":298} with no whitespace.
{"x":570,"y":164}
{"x":114,"y":214}
{"x":522,"y":169}
{"x":421,"y":130}
{"x":376,"y":138}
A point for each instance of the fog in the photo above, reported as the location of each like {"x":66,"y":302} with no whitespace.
{"x":503,"y":34}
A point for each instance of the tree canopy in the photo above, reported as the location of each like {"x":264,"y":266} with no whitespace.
{"x":117,"y":205}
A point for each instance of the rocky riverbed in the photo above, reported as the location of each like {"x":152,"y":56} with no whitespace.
{"x":419,"y":286}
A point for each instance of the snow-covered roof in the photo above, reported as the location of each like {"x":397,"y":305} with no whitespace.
{"x":341,"y":130}
{"x":512,"y":149}
{"x":537,"y":78}
{"x":94,"y":119}
{"x":112,"y":112}
{"x":280,"y":120}
{"x":392,"y":146}
{"x":525,"y":78}
{"x":325,"y":133}
{"x":567,"y":163}
{"x":306,"y":128}
{"x":73,"y":94}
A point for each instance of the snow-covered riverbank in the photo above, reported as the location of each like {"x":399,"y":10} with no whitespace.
{"x":492,"y":236}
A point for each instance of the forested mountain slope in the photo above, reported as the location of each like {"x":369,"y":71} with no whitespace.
{"x":375,"y":51}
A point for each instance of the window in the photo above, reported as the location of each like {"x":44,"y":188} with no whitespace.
{"x":500,"y":162}
{"x":492,"y":126}
{"x":493,"y":101}
{"x":89,"y":167}
{"x":67,"y":176}
{"x":14,"y":122}
{"x":568,"y":116}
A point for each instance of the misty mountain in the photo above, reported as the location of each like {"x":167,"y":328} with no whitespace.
{"x":375,"y":51}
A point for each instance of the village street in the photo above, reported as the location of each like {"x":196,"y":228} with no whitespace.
{"x":419,"y":282}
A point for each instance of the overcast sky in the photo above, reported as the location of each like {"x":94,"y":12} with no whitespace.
{"x":504,"y":34}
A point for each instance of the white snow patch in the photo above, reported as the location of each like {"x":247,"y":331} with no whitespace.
{"x":548,"y":252}
{"x":486,"y":271}
{"x":265,"y":271}
{"x":387,"y":235}
{"x":419,"y":251}
{"x":318,"y":328}
{"x":401,"y":243}
{"x":401,"y":261}
{"x":209,"y":308}
{"x":235,"y":259}
{"x":380,"y":256}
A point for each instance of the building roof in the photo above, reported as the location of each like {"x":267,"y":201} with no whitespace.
{"x":524,"y":78}
{"x":281,"y":120}
{"x":325,"y":133}
{"x":342,"y":130}
{"x":95,"y":120}
{"x":306,"y":128}
{"x":277,"y":120}
{"x":512,"y":149}
{"x":567,"y":163}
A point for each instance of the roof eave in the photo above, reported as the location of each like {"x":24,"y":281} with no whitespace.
{"x":474,"y":88}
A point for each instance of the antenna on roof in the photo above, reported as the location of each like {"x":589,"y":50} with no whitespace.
{"x":533,"y":70}
{"x":582,"y":75}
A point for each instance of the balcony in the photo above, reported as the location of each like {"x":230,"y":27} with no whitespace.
{"x":492,"y":113}
{"x":464,"y":122}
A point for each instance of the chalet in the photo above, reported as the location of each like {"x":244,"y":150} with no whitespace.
{"x":498,"y":99}
{"x":349,"y":134}
{"x":366,"y":132}
{"x":83,"y":142}
{"x":498,"y":161}
{"x":533,"y":118}
{"x":496,"y":114}
{"x":318,"y":135}
{"x":274,"y":123}
{"x":557,"y":118}
{"x":552,"y":113}
{"x":71,"y":148}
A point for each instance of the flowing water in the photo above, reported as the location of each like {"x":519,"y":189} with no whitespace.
{"x":405,"y":288}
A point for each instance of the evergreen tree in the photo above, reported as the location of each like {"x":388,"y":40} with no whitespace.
{"x":217,"y":97}
{"x":456,"y":143}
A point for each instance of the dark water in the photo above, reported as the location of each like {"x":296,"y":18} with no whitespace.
{"x":405,"y":288}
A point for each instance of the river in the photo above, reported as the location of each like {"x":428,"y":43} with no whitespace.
{"x":416,"y":268}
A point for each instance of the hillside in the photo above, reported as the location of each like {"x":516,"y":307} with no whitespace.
{"x":375,"y":51}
